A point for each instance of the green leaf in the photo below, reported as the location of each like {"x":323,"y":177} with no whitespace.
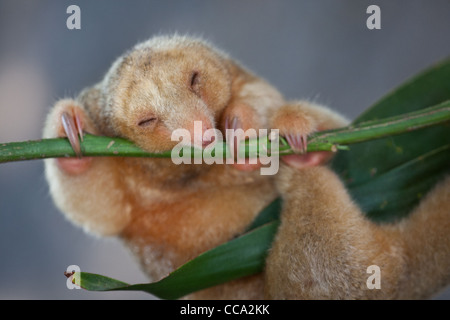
{"x":268,"y":214}
{"x":393,"y":194}
{"x":237,"y":258}
{"x":386,"y":177}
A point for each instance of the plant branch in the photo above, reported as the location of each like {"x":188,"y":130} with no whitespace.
{"x":330,"y":140}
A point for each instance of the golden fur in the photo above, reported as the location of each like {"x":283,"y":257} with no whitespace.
{"x":168,"y":214}
{"x":325,"y":244}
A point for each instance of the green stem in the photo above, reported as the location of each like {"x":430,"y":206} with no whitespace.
{"x":376,"y":129}
{"x":331,"y":140}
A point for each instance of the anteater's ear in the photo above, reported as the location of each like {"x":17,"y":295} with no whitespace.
{"x":91,"y":100}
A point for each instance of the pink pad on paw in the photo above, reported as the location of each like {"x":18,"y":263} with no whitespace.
{"x":74,"y":166}
{"x":310,"y":159}
{"x":247,"y":166}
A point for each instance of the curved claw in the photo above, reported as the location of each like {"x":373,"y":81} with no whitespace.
{"x":79,"y":125}
{"x":235,"y":124}
{"x":304,"y":139}
{"x":72,"y":128}
{"x":298,"y":142}
{"x":227,"y":124}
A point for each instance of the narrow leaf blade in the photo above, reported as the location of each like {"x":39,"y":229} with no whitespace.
{"x":366,"y":165}
{"x":237,"y":258}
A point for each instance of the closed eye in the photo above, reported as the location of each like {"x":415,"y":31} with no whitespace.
{"x":147,"y":121}
{"x":194,"y":78}
{"x":195,"y":82}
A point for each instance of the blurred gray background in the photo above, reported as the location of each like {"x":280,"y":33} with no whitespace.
{"x":320,"y":50}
